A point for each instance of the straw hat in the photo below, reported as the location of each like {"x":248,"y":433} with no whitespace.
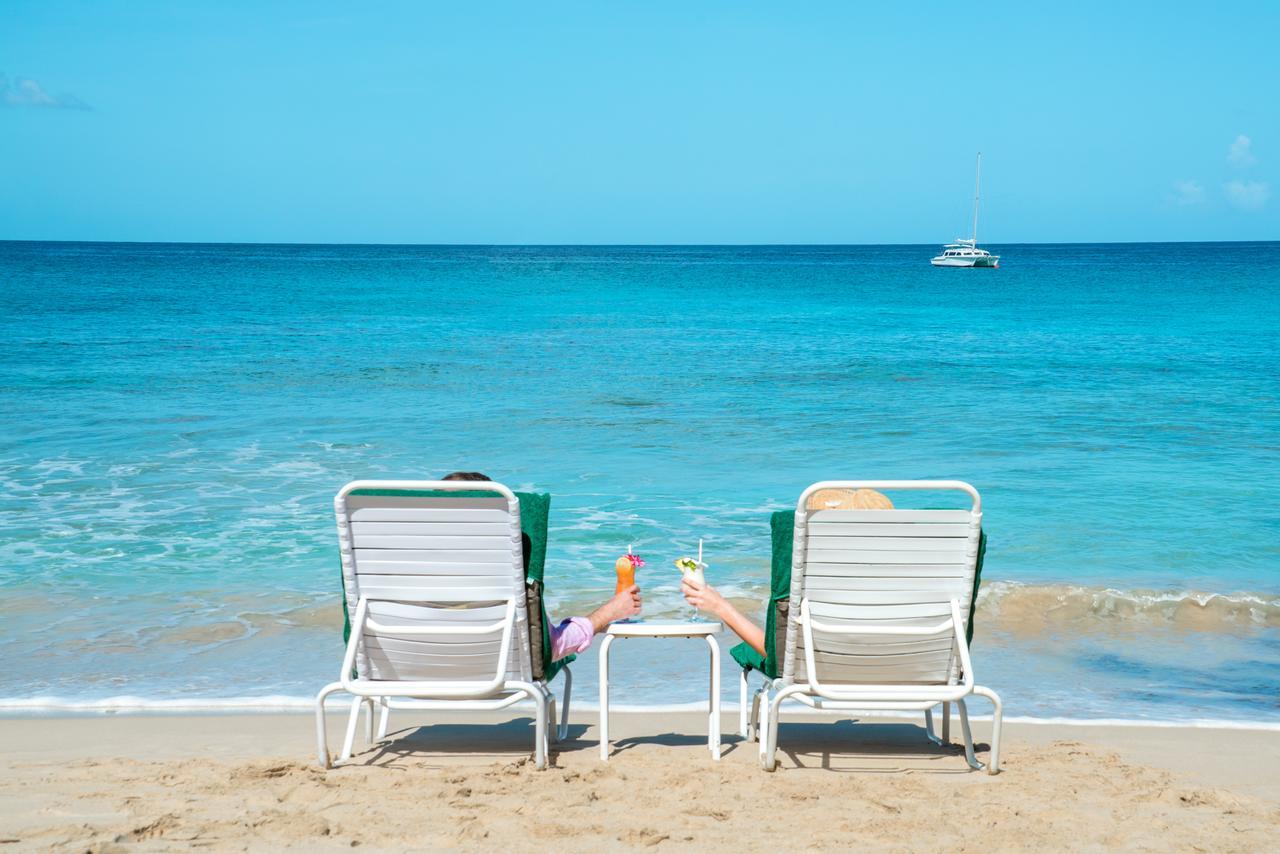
{"x":849,"y":499}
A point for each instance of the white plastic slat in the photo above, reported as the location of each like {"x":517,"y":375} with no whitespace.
{"x":433,"y":556}
{"x":396,"y":647}
{"x":838,"y":674}
{"x":870,"y":556}
{"x":440,"y":615}
{"x":850,"y":614}
{"x":384,"y":667}
{"x":431,"y":529}
{"x":458,"y":644}
{"x":873,"y":529}
{"x":356,"y":503}
{"x":892,"y":516}
{"x":439,"y":619}
{"x":878,"y":597}
{"x":947,"y":588}
{"x":393,"y":613}
{"x":505,"y":582}
{"x":439,"y":655}
{"x":403,"y":588}
{"x":863,"y":677}
{"x":894,"y":544}
{"x":934,"y":666}
{"x":936,"y":660}
{"x":864,"y":649}
{"x":880,"y":645}
{"x":896,"y":570}
{"x":486,"y":662}
{"x":388,"y":567}
{"x":434,"y":544}
{"x":431,"y":515}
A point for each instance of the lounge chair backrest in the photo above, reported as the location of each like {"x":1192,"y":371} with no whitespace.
{"x":442,"y":554}
{"x":876,"y":570}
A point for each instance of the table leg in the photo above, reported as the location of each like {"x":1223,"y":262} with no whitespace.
{"x":713,"y":723}
{"x":604,"y":696}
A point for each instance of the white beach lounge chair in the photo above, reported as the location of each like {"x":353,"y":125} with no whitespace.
{"x":435,"y":589}
{"x":883,"y":606}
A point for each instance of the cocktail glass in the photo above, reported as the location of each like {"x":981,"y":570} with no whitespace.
{"x":626,"y":574}
{"x":697,"y":579}
{"x":626,"y":567}
{"x":694,"y":575}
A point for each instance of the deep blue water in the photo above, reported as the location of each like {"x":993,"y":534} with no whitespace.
{"x":178,"y":417}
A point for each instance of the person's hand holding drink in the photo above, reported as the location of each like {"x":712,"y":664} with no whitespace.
{"x":701,"y":595}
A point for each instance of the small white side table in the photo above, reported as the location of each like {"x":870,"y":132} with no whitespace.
{"x":663,"y":629}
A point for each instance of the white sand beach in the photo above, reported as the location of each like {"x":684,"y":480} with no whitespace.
{"x":250,"y":782}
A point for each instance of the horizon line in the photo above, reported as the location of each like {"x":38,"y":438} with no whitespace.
{"x":478,"y":245}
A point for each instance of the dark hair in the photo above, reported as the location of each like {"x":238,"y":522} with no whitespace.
{"x":465,"y":475}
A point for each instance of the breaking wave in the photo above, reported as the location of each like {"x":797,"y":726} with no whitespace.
{"x":1039,"y":608}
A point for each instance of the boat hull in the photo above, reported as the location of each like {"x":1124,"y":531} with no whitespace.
{"x":991,"y":261}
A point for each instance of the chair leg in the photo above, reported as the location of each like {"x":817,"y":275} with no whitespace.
{"x":540,"y":704}
{"x":322,"y":739}
{"x":563,"y":730}
{"x":742,"y":705}
{"x":369,"y":708}
{"x":348,"y":743}
{"x":753,"y":725}
{"x":553,"y":731}
{"x":968,"y":737}
{"x":762,"y":723}
{"x":946,"y":723}
{"x":769,"y":747}
{"x":928,"y":727}
{"x":993,"y":764}
{"x":385,"y":721}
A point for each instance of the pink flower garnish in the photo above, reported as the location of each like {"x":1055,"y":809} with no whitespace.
{"x":636,"y":560}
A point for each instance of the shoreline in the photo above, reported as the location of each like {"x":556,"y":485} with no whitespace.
{"x":464,"y":781}
{"x":1121,"y":643}
{"x":38,"y":708}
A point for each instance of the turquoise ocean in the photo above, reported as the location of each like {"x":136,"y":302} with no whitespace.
{"x":177,"y":418}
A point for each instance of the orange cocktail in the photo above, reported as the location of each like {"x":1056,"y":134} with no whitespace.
{"x":626,"y":568}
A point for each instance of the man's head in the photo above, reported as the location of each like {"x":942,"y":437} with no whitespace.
{"x":475,"y":475}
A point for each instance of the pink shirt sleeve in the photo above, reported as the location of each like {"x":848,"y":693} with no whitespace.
{"x":571,"y":636}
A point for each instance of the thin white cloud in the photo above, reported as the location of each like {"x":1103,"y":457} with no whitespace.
{"x":1240,"y":153}
{"x":1248,"y":195}
{"x":25,"y":92}
{"x":1188,"y":193}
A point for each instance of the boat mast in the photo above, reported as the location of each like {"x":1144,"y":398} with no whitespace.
{"x":977,"y":184}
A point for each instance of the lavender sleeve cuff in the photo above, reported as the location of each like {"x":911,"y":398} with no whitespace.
{"x":571,"y":636}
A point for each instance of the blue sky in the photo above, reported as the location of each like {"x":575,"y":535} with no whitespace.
{"x":656,"y":122}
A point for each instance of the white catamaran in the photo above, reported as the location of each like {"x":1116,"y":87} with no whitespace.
{"x":965,"y":253}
